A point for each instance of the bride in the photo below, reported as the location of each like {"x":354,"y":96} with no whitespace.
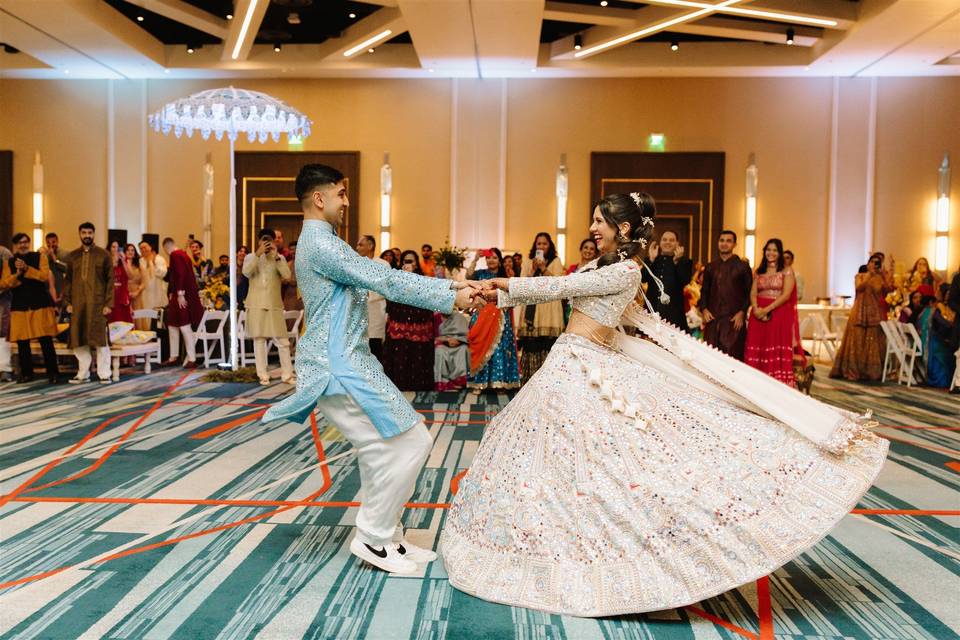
{"x":635,"y":475}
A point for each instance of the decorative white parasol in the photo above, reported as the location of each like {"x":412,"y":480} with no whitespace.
{"x":232,"y":112}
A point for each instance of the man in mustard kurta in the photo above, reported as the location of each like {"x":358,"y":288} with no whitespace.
{"x":88,"y":294}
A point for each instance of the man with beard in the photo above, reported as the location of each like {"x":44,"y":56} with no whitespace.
{"x":725,"y":298}
{"x":32,"y":316}
{"x":88,"y":294}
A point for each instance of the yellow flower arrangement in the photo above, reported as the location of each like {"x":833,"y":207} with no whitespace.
{"x":216,"y":293}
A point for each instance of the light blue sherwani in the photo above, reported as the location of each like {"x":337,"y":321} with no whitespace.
{"x":333,"y":355}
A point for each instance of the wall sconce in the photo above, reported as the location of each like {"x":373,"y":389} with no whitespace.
{"x":37,"y":202}
{"x":563,"y":191}
{"x":941,"y":239}
{"x":750,"y":217}
{"x":386,"y":191}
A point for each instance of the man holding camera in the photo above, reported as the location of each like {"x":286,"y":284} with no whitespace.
{"x":266,"y":270}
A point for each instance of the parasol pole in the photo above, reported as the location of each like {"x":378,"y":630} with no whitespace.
{"x":233,"y":262}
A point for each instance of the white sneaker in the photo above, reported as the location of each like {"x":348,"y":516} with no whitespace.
{"x":386,"y":557}
{"x":415,"y":553}
{"x":76,"y":380}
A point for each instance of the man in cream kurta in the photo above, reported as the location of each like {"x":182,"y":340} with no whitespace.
{"x":266,"y":270}
{"x":338,"y":376}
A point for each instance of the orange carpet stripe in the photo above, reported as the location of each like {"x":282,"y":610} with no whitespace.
{"x":765,"y":609}
{"x":226,"y":426}
{"x":321,"y":454}
{"x":109,"y":452}
{"x":222,"y":403}
{"x":455,"y":482}
{"x":723,"y":623}
{"x":953,"y":465}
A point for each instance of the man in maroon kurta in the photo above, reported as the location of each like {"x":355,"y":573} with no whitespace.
{"x":725,"y":298}
{"x":184,"y":310}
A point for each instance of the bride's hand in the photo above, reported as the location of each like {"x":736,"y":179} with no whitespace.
{"x":498,"y":283}
{"x":463,"y":284}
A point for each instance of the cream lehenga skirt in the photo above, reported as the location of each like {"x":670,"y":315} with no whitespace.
{"x":609,"y":486}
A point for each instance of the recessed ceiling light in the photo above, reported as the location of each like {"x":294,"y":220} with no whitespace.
{"x":371,"y":50}
{"x":276,"y":47}
{"x":352,"y":16}
{"x":578,"y":42}
{"x":790,"y":34}
{"x":603,"y":3}
{"x":139,"y":18}
{"x":674,"y":46}
{"x":229,"y":16}
{"x":190,"y":49}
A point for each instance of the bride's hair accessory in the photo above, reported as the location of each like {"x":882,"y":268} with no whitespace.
{"x":647,"y":222}
{"x":636,"y":198}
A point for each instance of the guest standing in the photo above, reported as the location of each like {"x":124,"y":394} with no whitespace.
{"x":134,"y":276}
{"x":184,"y":310}
{"x":89,"y":296}
{"x":773,"y":333}
{"x":122,"y":308}
{"x":153,"y":291}
{"x":588,"y":253}
{"x":390,"y":258}
{"x":675,"y":270}
{"x":788,"y":263}
{"x":540,"y":324}
{"x":922,"y":279}
{"x":243,"y":284}
{"x":862,"y":349}
{"x":936,"y":334}
{"x":427,"y":263}
{"x":32,"y":315}
{"x":6,"y":297}
{"x":408,"y":349}
{"x":201,"y":266}
{"x":57,"y":258}
{"x":725,"y":298}
{"x":290,"y":291}
{"x":376,"y":303}
{"x":494,"y":363}
{"x":266,"y":269}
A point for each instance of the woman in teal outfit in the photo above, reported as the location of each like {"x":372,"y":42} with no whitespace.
{"x":493,"y":347}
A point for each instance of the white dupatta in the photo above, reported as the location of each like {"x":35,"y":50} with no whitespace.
{"x":696,"y":363}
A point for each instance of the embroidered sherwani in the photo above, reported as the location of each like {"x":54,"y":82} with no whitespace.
{"x":333,"y":356}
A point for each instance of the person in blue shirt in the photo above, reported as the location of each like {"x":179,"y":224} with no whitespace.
{"x":339,"y":377}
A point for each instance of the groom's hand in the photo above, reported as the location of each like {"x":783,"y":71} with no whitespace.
{"x":467,"y":299}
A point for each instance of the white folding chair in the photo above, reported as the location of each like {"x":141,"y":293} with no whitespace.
{"x":246,"y":357}
{"x":823,"y":337}
{"x":149,"y":314}
{"x":956,"y":373}
{"x":912,"y":349}
{"x":895,"y":348}
{"x":293,"y":319}
{"x":211,"y":339}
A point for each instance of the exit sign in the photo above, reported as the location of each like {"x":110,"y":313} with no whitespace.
{"x":656,"y":142}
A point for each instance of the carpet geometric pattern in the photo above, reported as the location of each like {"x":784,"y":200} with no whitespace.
{"x":161,"y":507}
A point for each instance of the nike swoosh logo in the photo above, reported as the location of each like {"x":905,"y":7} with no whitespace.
{"x":382,"y":553}
{"x":401,"y":549}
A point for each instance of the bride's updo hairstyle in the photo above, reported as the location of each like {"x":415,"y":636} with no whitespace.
{"x":637,"y":209}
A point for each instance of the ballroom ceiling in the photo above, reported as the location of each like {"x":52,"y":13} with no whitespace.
{"x":477,"y":38}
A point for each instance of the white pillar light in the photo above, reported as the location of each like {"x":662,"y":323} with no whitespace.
{"x":750,"y":214}
{"x":563,"y":192}
{"x":942,"y":230}
{"x":386,"y":193}
{"x":37,"y":202}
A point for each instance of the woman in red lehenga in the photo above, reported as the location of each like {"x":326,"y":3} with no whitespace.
{"x":121,"y":311}
{"x":773,"y":332}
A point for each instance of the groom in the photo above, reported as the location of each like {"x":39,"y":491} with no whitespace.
{"x":339,"y":377}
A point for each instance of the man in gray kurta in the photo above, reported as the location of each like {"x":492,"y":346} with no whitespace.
{"x":88,"y":294}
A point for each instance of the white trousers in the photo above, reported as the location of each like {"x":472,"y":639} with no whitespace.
{"x":388,"y":467}
{"x":189,"y":338}
{"x":260,"y":356}
{"x":5,"y":356}
{"x":84,"y":358}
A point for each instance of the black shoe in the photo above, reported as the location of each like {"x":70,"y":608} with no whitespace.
{"x":24,"y":379}
{"x":54,"y":380}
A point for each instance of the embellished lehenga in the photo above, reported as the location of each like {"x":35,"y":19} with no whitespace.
{"x":631,"y":475}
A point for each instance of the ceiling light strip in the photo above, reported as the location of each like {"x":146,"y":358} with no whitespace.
{"x":248,"y":16}
{"x":366,"y":43}
{"x":756,"y":13}
{"x":652,"y":29}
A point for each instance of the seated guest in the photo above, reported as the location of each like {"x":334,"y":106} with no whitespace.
{"x":910,"y":313}
{"x":266,"y":269}
{"x":451,"y":360}
{"x":32,"y":315}
{"x":922,"y":279}
{"x":408,"y":349}
{"x":936,"y":333}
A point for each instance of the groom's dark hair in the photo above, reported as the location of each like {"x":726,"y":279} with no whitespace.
{"x":312,"y":176}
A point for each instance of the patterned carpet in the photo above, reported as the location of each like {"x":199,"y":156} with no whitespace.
{"x":161,"y":507}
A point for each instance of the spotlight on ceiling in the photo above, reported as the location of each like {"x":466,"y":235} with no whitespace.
{"x":603,"y":3}
{"x":674,"y":46}
{"x":352,"y":16}
{"x":371,"y":50}
{"x":790,"y":34}
{"x":277,"y":46}
{"x":229,"y":16}
{"x":293,"y":18}
{"x":578,"y":42}
{"x":191,"y":48}
{"x":139,"y":18}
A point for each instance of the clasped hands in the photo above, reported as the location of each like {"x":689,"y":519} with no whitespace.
{"x":473,"y":294}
